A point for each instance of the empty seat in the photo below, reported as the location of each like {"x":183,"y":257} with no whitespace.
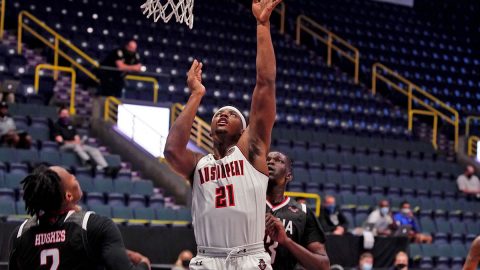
{"x":12,"y":180}
{"x":7,"y":208}
{"x":144,"y":213}
{"x":123,"y":186}
{"x":102,"y":210}
{"x":122,"y":212}
{"x":166,"y":214}
{"x":143,"y":187}
{"x":103,"y":185}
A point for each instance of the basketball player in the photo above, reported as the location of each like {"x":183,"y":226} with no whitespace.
{"x":293,"y":232}
{"x":59,"y":235}
{"x":229,"y":186}
{"x":471,"y":263}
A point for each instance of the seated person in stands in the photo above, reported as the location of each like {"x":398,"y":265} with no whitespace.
{"x":380,"y":221}
{"x":406,"y":218}
{"x":331,"y":217}
{"x":365,"y":262}
{"x":468,"y":182}
{"x":401,"y":261}
{"x":9,"y":134}
{"x":66,"y":135}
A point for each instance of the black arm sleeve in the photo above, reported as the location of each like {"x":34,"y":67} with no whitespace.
{"x":106,"y":241}
{"x":12,"y":261}
{"x":343,"y":221}
{"x":313,"y":231}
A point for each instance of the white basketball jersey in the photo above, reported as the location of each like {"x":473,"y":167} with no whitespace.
{"x":228,"y":204}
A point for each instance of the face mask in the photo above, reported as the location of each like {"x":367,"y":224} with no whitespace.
{"x":331,"y":208}
{"x":64,"y":120}
{"x":367,"y":266}
{"x":185,"y":263}
{"x":406,"y":211}
{"x":400,"y":266}
{"x":384,"y":210}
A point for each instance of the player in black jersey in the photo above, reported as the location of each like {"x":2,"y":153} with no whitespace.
{"x":61,"y":236}
{"x":293,"y":232}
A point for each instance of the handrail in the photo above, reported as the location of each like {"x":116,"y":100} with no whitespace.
{"x":468,"y":121}
{"x":146,"y":79}
{"x":472,"y":146}
{"x":353,"y":55}
{"x":412,"y":92}
{"x":281,"y":10}
{"x":200,"y":132}
{"x":2,"y":18}
{"x":60,"y":40}
{"x":39,"y":67}
{"x":318,"y":200}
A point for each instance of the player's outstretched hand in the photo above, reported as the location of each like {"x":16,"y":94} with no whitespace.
{"x":194,"y":78}
{"x":137,"y":258}
{"x":262,"y":9}
{"x":274,"y":228}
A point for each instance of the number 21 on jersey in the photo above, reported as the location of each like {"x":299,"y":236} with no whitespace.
{"x":54,"y":253}
{"x":224,"y":196}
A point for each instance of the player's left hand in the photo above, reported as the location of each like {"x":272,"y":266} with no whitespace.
{"x":274,"y":228}
{"x":262,"y":9}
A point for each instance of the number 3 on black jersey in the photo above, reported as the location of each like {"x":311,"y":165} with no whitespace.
{"x":271,"y":247}
{"x":221,"y":194}
{"x":54,"y":253}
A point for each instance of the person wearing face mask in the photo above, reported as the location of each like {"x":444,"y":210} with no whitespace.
{"x":365,"y":262}
{"x":380,"y":220}
{"x":116,"y":66}
{"x":406,"y":218}
{"x":331,"y":217}
{"x":183,"y":260}
{"x":401,"y":261}
{"x":468,"y":183}
{"x":67,"y":137}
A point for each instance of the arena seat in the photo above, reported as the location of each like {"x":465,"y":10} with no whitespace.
{"x":102,"y":210}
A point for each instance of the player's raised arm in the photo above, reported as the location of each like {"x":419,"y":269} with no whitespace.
{"x":178,"y":156}
{"x":471,"y":263}
{"x":263,"y":108}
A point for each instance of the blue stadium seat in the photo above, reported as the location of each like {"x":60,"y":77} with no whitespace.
{"x":101,"y":210}
{"x":122,"y":212}
{"x":143,"y":187}
{"x":144,"y":213}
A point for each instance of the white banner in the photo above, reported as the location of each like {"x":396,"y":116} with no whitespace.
{"x":408,"y":3}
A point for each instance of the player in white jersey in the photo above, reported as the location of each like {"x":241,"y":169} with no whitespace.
{"x":229,"y":185}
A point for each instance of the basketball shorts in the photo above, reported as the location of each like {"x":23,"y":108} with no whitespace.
{"x":249,"y":257}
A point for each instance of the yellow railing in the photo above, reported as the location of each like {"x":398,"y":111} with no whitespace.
{"x":110,"y":110}
{"x":146,"y":79}
{"x":331,"y":40}
{"x":472,"y":146}
{"x":412,"y":91}
{"x":24,"y":18}
{"x":316,"y":197}
{"x":200,"y":132}
{"x":2,"y":18}
{"x":56,"y":69}
{"x":468,"y":123}
{"x":281,"y":10}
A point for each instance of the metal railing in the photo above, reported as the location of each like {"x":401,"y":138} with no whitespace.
{"x":316,"y":197}
{"x":412,"y":91}
{"x":331,"y":40}
{"x":200,"y":132}
{"x":468,"y":123}
{"x":111,"y":106}
{"x":281,"y":10}
{"x":472,"y":146}
{"x":2,"y":18}
{"x":25,"y":19}
{"x":56,"y":69}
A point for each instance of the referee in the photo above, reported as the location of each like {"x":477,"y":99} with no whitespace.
{"x":61,"y":236}
{"x":293,"y":232}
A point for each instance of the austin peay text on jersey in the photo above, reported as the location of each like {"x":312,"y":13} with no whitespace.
{"x":221,"y":171}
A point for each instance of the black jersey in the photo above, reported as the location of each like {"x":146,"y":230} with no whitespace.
{"x":300,"y":225}
{"x":76,"y":241}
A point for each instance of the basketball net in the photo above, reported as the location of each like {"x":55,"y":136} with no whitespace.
{"x":182,"y":9}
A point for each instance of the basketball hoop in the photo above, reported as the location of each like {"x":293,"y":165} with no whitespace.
{"x":182,"y":9}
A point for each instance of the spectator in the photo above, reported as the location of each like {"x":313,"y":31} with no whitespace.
{"x":365,"y":262}
{"x":301,"y":200}
{"x":468,"y":182}
{"x":122,"y":60}
{"x":183,"y":260}
{"x":405,"y":218}
{"x":401,"y":261}
{"x":380,"y":220}
{"x":331,"y":218}
{"x":66,"y":135}
{"x":9,"y":134}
